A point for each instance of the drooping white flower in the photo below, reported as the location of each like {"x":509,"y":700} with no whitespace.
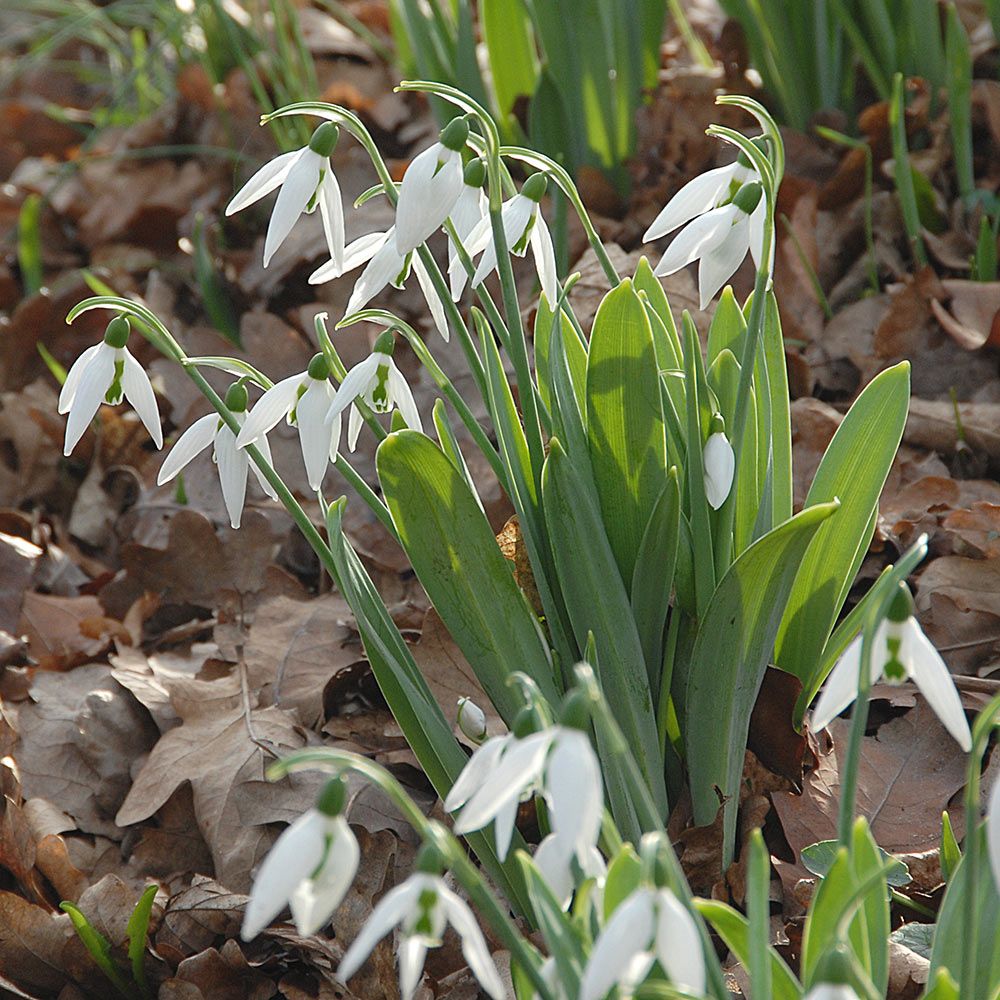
{"x":523,"y":226}
{"x":310,"y":868}
{"x":306,"y":179}
{"x":471,"y":720}
{"x":386,"y":266}
{"x":381,"y":385}
{"x":469,"y":211}
{"x":422,"y":906}
{"x":650,"y":925}
{"x":900,"y":650}
{"x":431,"y":186}
{"x":720,"y":466}
{"x":561,"y":862}
{"x":559,"y":762}
{"x":831,"y":991}
{"x":105,"y":373}
{"x":993,"y":831}
{"x":233,"y":462}
{"x":304,"y":399}
{"x":720,"y":239}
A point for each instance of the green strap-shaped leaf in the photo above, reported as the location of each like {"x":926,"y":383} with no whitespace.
{"x":456,"y":558}
{"x":511,"y":47}
{"x":665,"y":337}
{"x":854,"y":470}
{"x":869,"y":930}
{"x":576,"y":352}
{"x":731,"y":652}
{"x":834,"y":894}
{"x":728,"y":328}
{"x":624,"y":422}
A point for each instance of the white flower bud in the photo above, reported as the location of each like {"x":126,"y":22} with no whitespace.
{"x":471,"y":720}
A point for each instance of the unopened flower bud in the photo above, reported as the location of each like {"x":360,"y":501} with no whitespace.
{"x":471,"y":720}
{"x":720,"y":466}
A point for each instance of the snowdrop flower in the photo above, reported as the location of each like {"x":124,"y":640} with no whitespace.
{"x":469,"y":211}
{"x":993,"y":831}
{"x":559,"y":762}
{"x":829,"y":991}
{"x":233,"y":462}
{"x":471,"y":720}
{"x":378,"y":382}
{"x":431,"y":186}
{"x":386,"y":266}
{"x":562,"y":863}
{"x":306,"y":180}
{"x":650,"y":925}
{"x":105,"y":373}
{"x":720,"y":465}
{"x":310,"y":868}
{"x":719,"y":239}
{"x":422,"y":906}
{"x":303,"y":399}
{"x":523,"y":226}
{"x":900,"y":650}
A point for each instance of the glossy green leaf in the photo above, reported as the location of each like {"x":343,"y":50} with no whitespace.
{"x":942,"y":987}
{"x":774,"y":415}
{"x":728,"y":328}
{"x":510,"y":45}
{"x":576,"y":353}
{"x":665,"y":337}
{"x":832,"y":897}
{"x":97,"y":946}
{"x":136,"y":930}
{"x":731,"y":652}
{"x":623,"y":878}
{"x":869,"y":929}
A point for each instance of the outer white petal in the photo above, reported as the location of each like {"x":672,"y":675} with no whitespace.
{"x":331,"y":210}
{"x":841,"y":686}
{"x":720,"y":467}
{"x":265,"y":449}
{"x":382,"y":269}
{"x":355,"y":383}
{"x":314,"y":900}
{"x":314,"y":432}
{"x":468,"y":213}
{"x":516,"y":215}
{"x":298,"y":187}
{"x":678,"y":944}
{"x":626,"y":935}
{"x":264,"y":181}
{"x":90,"y":392}
{"x":554,"y":858}
{"x":480,"y":237}
{"x":480,"y":765}
{"x":930,"y":673}
{"x":354,"y":423}
{"x":295,"y":856}
{"x":545,"y":259}
{"x":758,"y":218}
{"x":390,"y":910}
{"x":402,"y":396}
{"x":695,"y":198}
{"x":270,"y":408}
{"x":993,"y":831}
{"x":434,"y":302}
{"x":73,"y":376}
{"x":719,"y":263}
{"x":139,"y":392}
{"x":412,"y":953}
{"x":696,"y":239}
{"x":503,"y":827}
{"x":573,"y":789}
{"x":474,"y":948}
{"x":427,"y":195}
{"x":194,"y":440}
{"x":233,"y":464}
{"x":355,"y":254}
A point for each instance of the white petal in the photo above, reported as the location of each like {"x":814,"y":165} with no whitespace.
{"x":503,"y":827}
{"x":91,"y":389}
{"x":331,"y":210}
{"x":993,"y":831}
{"x":480,"y":765}
{"x":474,"y":948}
{"x":468,"y":211}
{"x":626,"y":935}
{"x":427,"y":195}
{"x":758,"y":218}
{"x":271,"y":407}
{"x":233,"y":465}
{"x":265,"y":450}
{"x":412,"y":953}
{"x":390,"y":910}
{"x":355,"y":383}
{"x":401,"y":395}
{"x":315,"y":899}
{"x":697,"y":238}
{"x":930,"y":673}
{"x":477,"y":240}
{"x":355,"y":254}
{"x":678,"y":944}
{"x":194,"y":440}
{"x":295,"y":856}
{"x":515,"y":216}
{"x":719,"y":263}
{"x":720,"y":467}
{"x":73,"y":376}
{"x":554,"y":858}
{"x":354,"y":423}
{"x":545,"y":259}
{"x":434,"y":303}
{"x":139,"y":392}
{"x":264,"y":181}
{"x":383,"y":268}
{"x":841,"y":686}
{"x":314,"y":432}
{"x":696,"y":197}
{"x":573,"y":789}
{"x":299,"y":186}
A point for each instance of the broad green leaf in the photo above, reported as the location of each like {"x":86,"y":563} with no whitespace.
{"x":624,"y":877}
{"x":597,"y":603}
{"x":456,"y":558}
{"x":832,"y":897}
{"x":774,"y":414}
{"x":943,"y":987}
{"x":450,"y":446}
{"x":731,"y":652}
{"x":624,"y":422}
{"x":576,"y":353}
{"x":97,"y":946}
{"x":869,"y":930}
{"x":665,"y":337}
{"x":136,"y":930}
{"x":728,"y":328}
{"x":734,"y":930}
{"x":853,"y":470}
{"x":510,"y":44}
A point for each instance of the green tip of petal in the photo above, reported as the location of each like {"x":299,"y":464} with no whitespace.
{"x":324,"y":139}
{"x":117,"y":332}
{"x":332,"y":798}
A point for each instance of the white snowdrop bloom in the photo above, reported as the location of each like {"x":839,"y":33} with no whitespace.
{"x":559,"y":762}
{"x":650,"y":925}
{"x":233,"y":462}
{"x":304,"y":400}
{"x":381,"y":385}
{"x":993,"y":831}
{"x":421,"y":907}
{"x":306,"y":179}
{"x":523,"y":226}
{"x":105,"y":373}
{"x":431,"y":186}
{"x":386,"y":266}
{"x":720,"y":239}
{"x":720,"y":466}
{"x":471,"y":720}
{"x":900,"y":650}
{"x":309,"y":869}
{"x":469,"y":211}
{"x":561,"y":862}
{"x":831,"y":991}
